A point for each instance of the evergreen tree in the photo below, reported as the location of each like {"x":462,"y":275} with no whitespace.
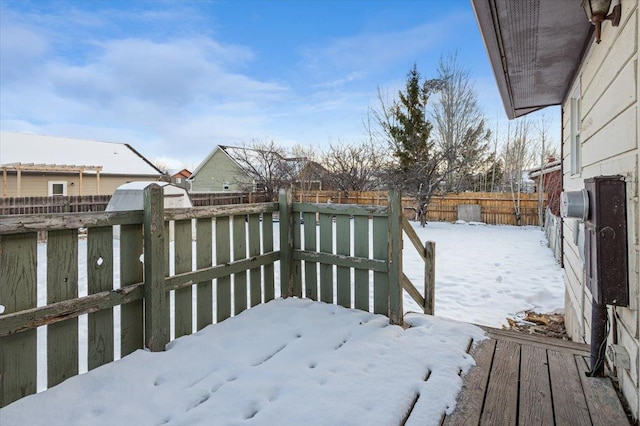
{"x":416,"y":169}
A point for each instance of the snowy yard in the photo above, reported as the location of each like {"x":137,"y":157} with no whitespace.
{"x":300,"y":362}
{"x":487,"y":273}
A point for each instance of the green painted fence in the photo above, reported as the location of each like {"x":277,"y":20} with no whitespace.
{"x":349,"y":255}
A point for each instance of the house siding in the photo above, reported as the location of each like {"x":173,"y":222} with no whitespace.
{"x":219,"y":168}
{"x":609,"y":128}
{"x":37,"y":184}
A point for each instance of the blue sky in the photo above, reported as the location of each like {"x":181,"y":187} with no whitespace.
{"x":176,"y":78}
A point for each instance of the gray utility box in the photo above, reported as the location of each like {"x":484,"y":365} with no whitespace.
{"x":606,"y":241}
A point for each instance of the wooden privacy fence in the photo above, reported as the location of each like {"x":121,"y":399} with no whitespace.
{"x":98,"y":203}
{"x":234,"y":251}
{"x":496,"y":208}
{"x":53,"y":204}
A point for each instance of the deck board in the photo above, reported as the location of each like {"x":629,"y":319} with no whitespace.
{"x":533,"y":380}
{"x":536,"y":407}
{"x":501,"y":401}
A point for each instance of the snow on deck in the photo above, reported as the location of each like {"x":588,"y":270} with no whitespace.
{"x":285,"y":362}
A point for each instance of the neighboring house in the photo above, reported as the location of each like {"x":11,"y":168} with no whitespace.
{"x":219,"y":172}
{"x":179,"y":177}
{"x":312,"y":176}
{"x":233,"y":169}
{"x":36,"y":165}
{"x":548,"y":179}
{"x":545,"y":53}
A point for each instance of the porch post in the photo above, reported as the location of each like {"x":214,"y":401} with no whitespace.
{"x":285,"y":201}
{"x":156,"y":318}
{"x":395,"y":258}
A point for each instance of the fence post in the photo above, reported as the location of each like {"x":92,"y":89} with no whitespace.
{"x":395,"y":258}
{"x":285,"y":200}
{"x":429,"y":277}
{"x":156,"y":327}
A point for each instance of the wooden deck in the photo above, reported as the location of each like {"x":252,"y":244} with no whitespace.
{"x":530,"y":380}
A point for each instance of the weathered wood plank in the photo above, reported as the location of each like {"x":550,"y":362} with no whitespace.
{"x":183,"y":263}
{"x":310,"y":268}
{"x":18,"y":278}
{"x":204,"y":252}
{"x":541,"y":341}
{"x":357,"y":263}
{"x":603,"y":403}
{"x":430,"y":278}
{"x":223,"y":256}
{"x":267,"y":246}
{"x":396,"y":310}
{"x":413,"y":237}
{"x":341,"y":209}
{"x":361,"y":250}
{"x":255,"y":276}
{"x":62,"y":284}
{"x":14,"y":224}
{"x":535,"y":393}
{"x":156,"y":324}
{"x":239,"y":253}
{"x":471,"y":398}
{"x":131,"y":272}
{"x":220,"y":211}
{"x":569,"y":402}
{"x":100,"y":278}
{"x":501,"y":405}
{"x":326,"y":270}
{"x":226,"y":270}
{"x":408,"y":286}
{"x":27,"y":319}
{"x":296,"y":264}
{"x":380,"y":279}
{"x":286,"y":243}
{"x":343,"y":248}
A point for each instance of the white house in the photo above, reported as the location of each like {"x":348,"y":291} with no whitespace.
{"x":546,"y":52}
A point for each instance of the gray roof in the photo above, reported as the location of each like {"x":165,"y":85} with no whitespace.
{"x":534,"y":47}
{"x":114,"y":158}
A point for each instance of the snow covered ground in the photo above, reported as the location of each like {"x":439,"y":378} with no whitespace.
{"x":288,"y":362}
{"x":487,"y":273}
{"x":299,"y":362}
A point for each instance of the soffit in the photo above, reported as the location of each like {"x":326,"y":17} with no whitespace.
{"x":535,"y":47}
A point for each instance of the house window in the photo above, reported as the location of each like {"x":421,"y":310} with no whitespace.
{"x":575,"y":132}
{"x":225,"y":186}
{"x":178,"y":180}
{"x":57,"y":188}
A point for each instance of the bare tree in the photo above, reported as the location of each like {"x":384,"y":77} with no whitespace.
{"x":548,"y":154}
{"x":459,"y":127}
{"x":266,"y":165}
{"x":416,"y":166}
{"x":519,"y":154}
{"x":353,"y":167}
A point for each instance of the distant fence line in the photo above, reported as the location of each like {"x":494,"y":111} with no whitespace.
{"x":496,"y":208}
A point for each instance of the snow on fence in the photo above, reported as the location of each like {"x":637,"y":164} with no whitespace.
{"x":234,"y":245}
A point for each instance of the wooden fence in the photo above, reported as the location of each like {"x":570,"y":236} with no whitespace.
{"x":496,"y":208}
{"x":98,"y":203}
{"x":235,"y":252}
{"x":53,"y":204}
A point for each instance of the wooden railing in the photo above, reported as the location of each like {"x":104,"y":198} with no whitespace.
{"x":428,"y":254}
{"x":234,"y":245}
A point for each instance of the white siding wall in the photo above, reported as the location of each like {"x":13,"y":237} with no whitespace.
{"x":608,"y":87}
